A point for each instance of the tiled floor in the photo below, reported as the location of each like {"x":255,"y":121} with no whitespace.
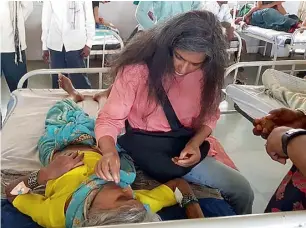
{"x":234,"y":132}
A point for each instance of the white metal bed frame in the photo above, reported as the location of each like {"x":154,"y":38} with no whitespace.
{"x":260,"y":64}
{"x":292,"y":46}
{"x":104,"y":52}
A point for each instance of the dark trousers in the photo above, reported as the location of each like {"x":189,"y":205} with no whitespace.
{"x":11,"y":217}
{"x":69,"y":59}
{"x":12,"y":71}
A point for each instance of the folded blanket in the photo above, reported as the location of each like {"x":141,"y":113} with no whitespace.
{"x":288,"y":89}
{"x":66,"y":123}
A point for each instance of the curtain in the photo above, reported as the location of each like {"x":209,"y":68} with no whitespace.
{"x":302,"y":10}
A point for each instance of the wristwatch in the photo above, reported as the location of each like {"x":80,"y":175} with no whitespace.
{"x":33,"y":180}
{"x":184,"y":200}
{"x":289,"y":135}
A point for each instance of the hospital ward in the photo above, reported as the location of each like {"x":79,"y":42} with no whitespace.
{"x":151,"y":114}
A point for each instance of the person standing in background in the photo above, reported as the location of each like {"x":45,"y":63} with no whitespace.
{"x":67,"y":33}
{"x":223,"y":13}
{"x":162,"y":10}
{"x":13,"y":40}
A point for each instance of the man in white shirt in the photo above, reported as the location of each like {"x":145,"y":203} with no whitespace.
{"x":13,"y":42}
{"x":222,"y":11}
{"x":68,"y":28}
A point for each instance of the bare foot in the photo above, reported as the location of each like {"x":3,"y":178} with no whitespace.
{"x":66,"y":84}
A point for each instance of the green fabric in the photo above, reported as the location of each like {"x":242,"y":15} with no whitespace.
{"x":66,"y":123}
{"x":244,"y":10}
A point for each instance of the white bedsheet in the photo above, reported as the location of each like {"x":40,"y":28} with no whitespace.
{"x":252,"y":100}
{"x":25,"y":125}
{"x":102,"y":35}
{"x":275,"y":36}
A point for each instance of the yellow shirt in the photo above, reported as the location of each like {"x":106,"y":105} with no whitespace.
{"x":48,"y":211}
{"x":157,"y":198}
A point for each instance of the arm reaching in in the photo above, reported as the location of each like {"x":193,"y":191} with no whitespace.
{"x":296,"y":149}
{"x":111,"y":118}
{"x":277,"y":118}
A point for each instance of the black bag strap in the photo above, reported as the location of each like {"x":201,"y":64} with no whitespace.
{"x":171,"y":116}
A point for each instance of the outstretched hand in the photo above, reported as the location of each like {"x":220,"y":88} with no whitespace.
{"x":276,"y":118}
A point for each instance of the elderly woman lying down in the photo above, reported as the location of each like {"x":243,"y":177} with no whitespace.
{"x":74,"y":195}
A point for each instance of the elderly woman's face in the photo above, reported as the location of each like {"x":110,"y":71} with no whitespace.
{"x":112,"y":196}
{"x":186,"y":62}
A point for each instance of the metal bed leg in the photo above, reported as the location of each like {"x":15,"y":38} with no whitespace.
{"x":88,"y":61}
{"x":265,"y":50}
{"x":275,"y":54}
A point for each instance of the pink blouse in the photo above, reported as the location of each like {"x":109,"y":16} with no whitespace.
{"x":128,"y":100}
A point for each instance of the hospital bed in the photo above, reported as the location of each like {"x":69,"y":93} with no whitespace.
{"x":106,"y":42}
{"x":21,"y":132}
{"x":251,"y":100}
{"x":292,"y":41}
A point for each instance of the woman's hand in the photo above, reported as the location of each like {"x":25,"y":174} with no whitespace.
{"x":62,"y":164}
{"x":191,"y":155}
{"x":108,"y":167}
{"x":274,"y":145}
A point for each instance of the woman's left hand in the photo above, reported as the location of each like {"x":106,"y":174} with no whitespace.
{"x":191,"y":155}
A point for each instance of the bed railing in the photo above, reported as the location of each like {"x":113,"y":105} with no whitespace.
{"x":228,"y":71}
{"x":63,"y":71}
{"x":103,"y":51}
{"x":273,"y":220}
{"x":261,"y":64}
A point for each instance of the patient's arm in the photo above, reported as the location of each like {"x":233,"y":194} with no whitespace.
{"x":276,"y":5}
{"x":193,"y":210}
{"x":58,"y":167}
{"x":42,"y":179}
{"x":260,"y":4}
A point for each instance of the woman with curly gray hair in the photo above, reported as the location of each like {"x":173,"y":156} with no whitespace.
{"x":166,"y":94}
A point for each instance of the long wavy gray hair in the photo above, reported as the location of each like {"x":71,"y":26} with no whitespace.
{"x":196,"y":31}
{"x":122,"y":215}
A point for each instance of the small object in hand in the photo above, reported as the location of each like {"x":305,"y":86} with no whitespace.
{"x":20,"y":189}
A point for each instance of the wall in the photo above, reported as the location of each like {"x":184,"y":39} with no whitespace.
{"x":121,"y":14}
{"x":33,"y":33}
{"x":292,"y":7}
